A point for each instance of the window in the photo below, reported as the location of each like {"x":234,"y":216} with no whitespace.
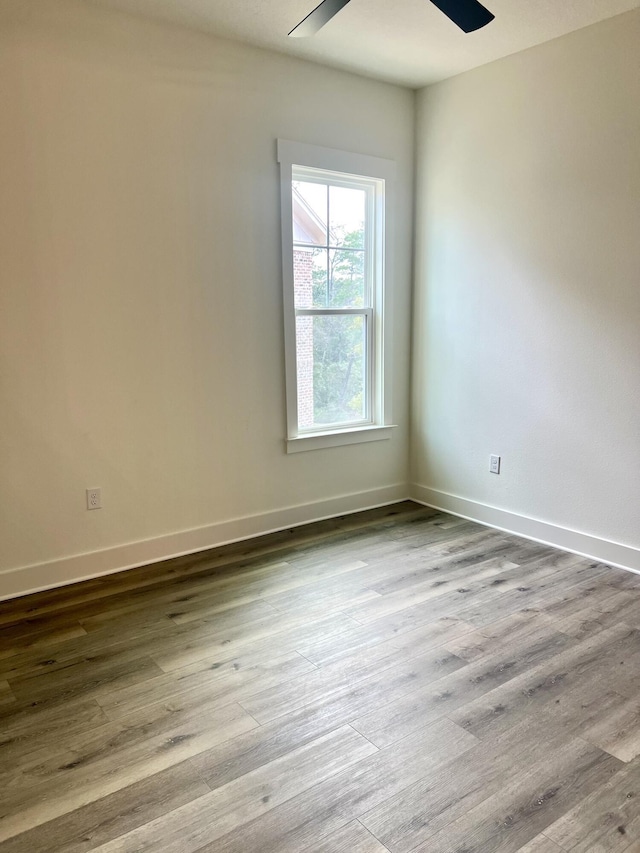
{"x":333,"y":238}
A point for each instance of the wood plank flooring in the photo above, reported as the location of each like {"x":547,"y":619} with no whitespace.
{"x":398,"y":680}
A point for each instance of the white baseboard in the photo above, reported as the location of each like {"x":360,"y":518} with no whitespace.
{"x":593,"y":547}
{"x":79,"y":567}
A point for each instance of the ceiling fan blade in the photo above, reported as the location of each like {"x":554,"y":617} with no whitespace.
{"x":469,"y":15}
{"x":315,"y":20}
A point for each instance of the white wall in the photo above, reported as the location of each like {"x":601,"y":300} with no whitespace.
{"x":140,"y":295}
{"x":527,"y":316}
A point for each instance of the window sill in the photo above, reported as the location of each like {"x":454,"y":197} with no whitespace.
{"x":319,"y":440}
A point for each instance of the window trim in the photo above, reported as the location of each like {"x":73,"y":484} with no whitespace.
{"x":297,"y":154}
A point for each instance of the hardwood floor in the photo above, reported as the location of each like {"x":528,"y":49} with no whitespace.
{"x":398,"y":680}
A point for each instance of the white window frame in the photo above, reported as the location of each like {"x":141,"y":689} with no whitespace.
{"x":378,"y":174}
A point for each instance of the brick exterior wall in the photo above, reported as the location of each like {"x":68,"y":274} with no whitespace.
{"x":303,"y":289}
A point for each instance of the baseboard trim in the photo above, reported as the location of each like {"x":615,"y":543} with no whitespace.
{"x":80,"y":567}
{"x":584,"y":544}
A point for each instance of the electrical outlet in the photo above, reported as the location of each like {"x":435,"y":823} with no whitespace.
{"x":494,"y":464}
{"x":94,"y":499}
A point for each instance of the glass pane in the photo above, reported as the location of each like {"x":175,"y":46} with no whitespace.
{"x":331,"y":360}
{"x":309,"y":212}
{"x":346,"y":278}
{"x":320,"y":278}
{"x":310,"y":288}
{"x":341,"y":285}
{"x":347,"y":217}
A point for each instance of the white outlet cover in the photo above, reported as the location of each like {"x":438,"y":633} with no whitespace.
{"x":94,"y":499}
{"x":494,"y":464}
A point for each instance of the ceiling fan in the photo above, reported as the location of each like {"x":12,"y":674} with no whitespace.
{"x":469,"y":15}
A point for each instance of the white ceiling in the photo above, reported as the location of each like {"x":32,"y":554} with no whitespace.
{"x":403,"y":41}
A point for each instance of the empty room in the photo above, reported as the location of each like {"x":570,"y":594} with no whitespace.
{"x":319,"y":426}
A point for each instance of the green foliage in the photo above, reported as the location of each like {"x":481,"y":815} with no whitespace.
{"x":338,"y":276}
{"x":339,"y":341}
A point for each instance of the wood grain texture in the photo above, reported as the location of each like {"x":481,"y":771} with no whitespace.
{"x":111,"y":816}
{"x":607,"y":820}
{"x":541,"y":844}
{"x":352,"y":838}
{"x":398,"y":680}
{"x":224,"y":809}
